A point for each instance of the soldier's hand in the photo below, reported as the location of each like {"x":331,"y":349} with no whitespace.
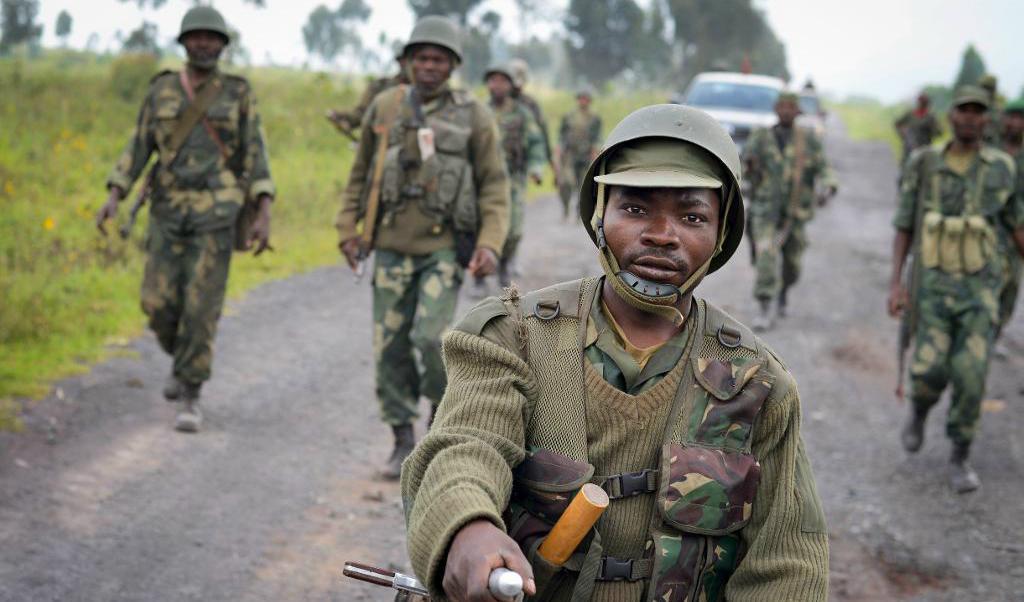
{"x":536,"y":178}
{"x":260,"y":232}
{"x":483,"y":263}
{"x":477,"y":549}
{"x":350,"y":249}
{"x":898,"y":299}
{"x":108,"y":210}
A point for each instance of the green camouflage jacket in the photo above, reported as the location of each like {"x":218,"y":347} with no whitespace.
{"x":521,"y":138}
{"x":199,"y":188}
{"x":532,"y":104}
{"x":580,"y":134}
{"x":917,"y":130}
{"x":770,"y":172}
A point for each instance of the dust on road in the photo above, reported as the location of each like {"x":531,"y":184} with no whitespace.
{"x":101,"y":500}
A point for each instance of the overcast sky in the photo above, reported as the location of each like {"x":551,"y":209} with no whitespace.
{"x":882,"y":48}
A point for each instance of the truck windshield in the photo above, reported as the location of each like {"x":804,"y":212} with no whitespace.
{"x":728,"y":95}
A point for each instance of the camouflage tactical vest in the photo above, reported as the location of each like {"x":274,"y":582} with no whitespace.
{"x":513,"y":124}
{"x":441,"y":184}
{"x":702,"y":491}
{"x":579,"y":134}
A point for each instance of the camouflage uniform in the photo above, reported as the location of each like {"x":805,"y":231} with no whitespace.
{"x":957,"y":312}
{"x":522,"y":142}
{"x":416,"y":276}
{"x":195,"y":200}
{"x":579,"y":138}
{"x":534,"y":107}
{"x":1014,"y":263}
{"x":917,"y":130}
{"x":771,"y":157}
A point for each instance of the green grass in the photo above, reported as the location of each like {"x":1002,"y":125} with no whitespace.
{"x":870,"y":120}
{"x":69,"y":297}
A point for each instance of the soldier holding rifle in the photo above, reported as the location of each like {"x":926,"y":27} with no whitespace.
{"x":429,"y":194}
{"x":687,"y":421}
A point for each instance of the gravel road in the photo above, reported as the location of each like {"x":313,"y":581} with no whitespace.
{"x":101,"y":500}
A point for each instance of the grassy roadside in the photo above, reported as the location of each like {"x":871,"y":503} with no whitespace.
{"x":870,"y":120}
{"x":68,"y":297}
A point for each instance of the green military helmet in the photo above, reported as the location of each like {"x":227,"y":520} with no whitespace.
{"x":685,"y":124}
{"x":436,"y":30}
{"x":1016,"y":106}
{"x":204,"y":18}
{"x":585,"y":90}
{"x":503,"y":69}
{"x":520,"y":72}
{"x":989,"y":82}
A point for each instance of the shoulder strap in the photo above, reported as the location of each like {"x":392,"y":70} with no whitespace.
{"x":382,"y":131}
{"x":193,"y":114}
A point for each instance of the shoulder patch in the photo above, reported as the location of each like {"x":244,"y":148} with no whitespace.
{"x":478,"y":317}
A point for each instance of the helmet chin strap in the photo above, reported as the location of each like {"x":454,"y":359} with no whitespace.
{"x":646,"y":295}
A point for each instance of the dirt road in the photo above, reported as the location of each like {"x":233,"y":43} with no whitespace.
{"x":100,"y":500}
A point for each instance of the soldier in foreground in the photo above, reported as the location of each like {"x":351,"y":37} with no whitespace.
{"x":522,"y":142}
{"x":429,"y":193}
{"x":917,"y":127}
{"x":784,"y":165}
{"x":1012,"y":125}
{"x":211,"y":161}
{"x":629,"y":382}
{"x":956,"y":203}
{"x":348,"y":121}
{"x":579,"y":140}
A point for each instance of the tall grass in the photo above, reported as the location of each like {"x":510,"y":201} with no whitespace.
{"x":69,"y":297}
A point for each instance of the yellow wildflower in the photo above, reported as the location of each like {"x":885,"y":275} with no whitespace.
{"x":48,"y":223}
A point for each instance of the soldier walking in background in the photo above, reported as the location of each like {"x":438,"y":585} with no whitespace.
{"x":956,"y":203}
{"x":429,"y":193}
{"x":211,"y":162}
{"x":785,"y":164}
{"x":349,"y":121}
{"x":521,"y":139}
{"x":579,"y":139}
{"x":1013,"y":144}
{"x":993,"y":134}
{"x":520,"y":76}
{"x":917,"y":127}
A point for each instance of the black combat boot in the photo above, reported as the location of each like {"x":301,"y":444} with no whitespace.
{"x":962,"y":477}
{"x":912,"y":435}
{"x":172,"y":388}
{"x":189,"y":418}
{"x":405,"y":441}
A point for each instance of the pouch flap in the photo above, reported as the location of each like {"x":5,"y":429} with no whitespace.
{"x":546,"y":470}
{"x":724,"y":379}
{"x":707,"y":491}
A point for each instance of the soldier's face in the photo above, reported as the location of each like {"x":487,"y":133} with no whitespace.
{"x":787,"y":110}
{"x":499,"y":86}
{"x":431,"y":66}
{"x":662,"y":234}
{"x":583,"y":101}
{"x":203,"y":47}
{"x":968,"y":121}
{"x":1013,"y":126}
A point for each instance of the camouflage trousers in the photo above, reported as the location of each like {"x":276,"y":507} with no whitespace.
{"x":570,"y":178}
{"x":766,"y":264}
{"x":956,"y":323}
{"x":517,"y":213}
{"x":414,"y":298}
{"x":183,"y":293}
{"x":1011,"y":288}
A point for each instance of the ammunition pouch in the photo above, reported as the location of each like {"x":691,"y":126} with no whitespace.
{"x":957,"y":244}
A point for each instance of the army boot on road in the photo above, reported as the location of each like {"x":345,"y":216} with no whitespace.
{"x":912,"y":436}
{"x":763,"y":322}
{"x":780,"y":309}
{"x":172,"y":388}
{"x":189,"y":418}
{"x":405,"y":441}
{"x":962,"y":477}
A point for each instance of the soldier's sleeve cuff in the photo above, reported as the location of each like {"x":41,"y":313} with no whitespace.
{"x":119,"y":180}
{"x":260,"y":187}
{"x":492,"y":240}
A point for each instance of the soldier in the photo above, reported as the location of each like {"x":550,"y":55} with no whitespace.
{"x":347,"y":121}
{"x":579,"y":139}
{"x":429,"y":188}
{"x":955,"y":204}
{"x":917,"y":127}
{"x":1013,"y":145}
{"x":211,"y":160}
{"x":520,"y":75}
{"x":521,"y":140}
{"x":785,"y":164}
{"x":990,"y":84}
{"x":629,"y":382}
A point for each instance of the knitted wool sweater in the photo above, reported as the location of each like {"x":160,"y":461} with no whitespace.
{"x":462,"y":470}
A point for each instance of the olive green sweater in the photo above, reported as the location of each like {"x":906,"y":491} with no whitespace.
{"x":462,"y":470}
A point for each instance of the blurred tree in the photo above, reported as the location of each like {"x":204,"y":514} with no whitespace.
{"x":155,"y":4}
{"x":142,"y":40}
{"x":63,"y":27}
{"x":456,"y":9}
{"x":972,"y":67}
{"x":654,"y":48}
{"x":526,"y":10}
{"x":722,"y":33}
{"x":329,"y":33}
{"x":476,"y":46}
{"x":236,"y":53}
{"x":18,"y":24}
{"x":603,"y":36}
